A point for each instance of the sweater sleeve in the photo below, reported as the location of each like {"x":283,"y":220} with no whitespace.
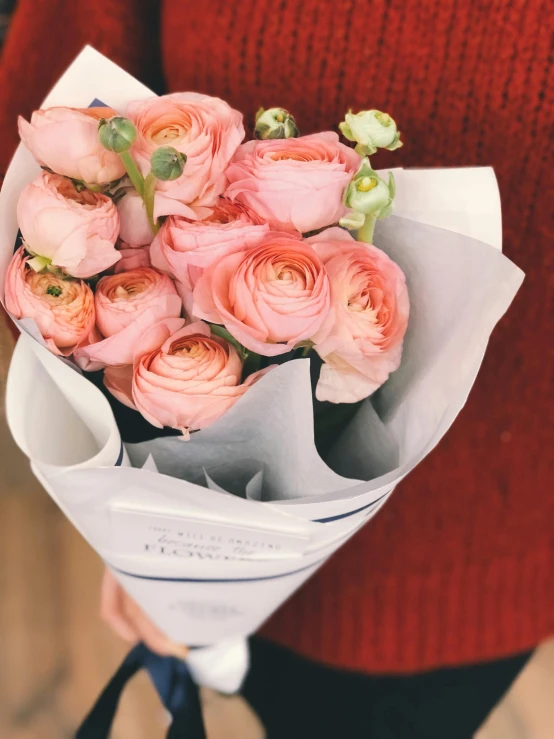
{"x":45,"y":36}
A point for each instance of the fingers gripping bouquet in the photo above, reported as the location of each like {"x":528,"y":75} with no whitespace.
{"x":270,"y":352}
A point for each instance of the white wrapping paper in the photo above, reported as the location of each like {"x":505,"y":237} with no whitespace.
{"x":208,"y":566}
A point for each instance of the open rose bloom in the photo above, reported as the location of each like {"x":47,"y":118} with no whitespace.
{"x":294,"y":184}
{"x":66,"y":141}
{"x":236,"y":395}
{"x":127,"y":305}
{"x":206,"y":129}
{"x":73,"y":229}
{"x":181,"y":376}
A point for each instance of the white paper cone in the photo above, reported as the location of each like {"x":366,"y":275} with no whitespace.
{"x":209,"y":567}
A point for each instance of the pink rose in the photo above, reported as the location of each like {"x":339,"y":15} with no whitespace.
{"x":182,"y":377}
{"x":63,"y":309}
{"x":127,"y":305}
{"x":204,"y":128}
{"x":270,"y":297}
{"x":361,"y":343}
{"x":66,"y":141}
{"x":294,"y":184}
{"x":75,"y":231}
{"x":132,"y":258}
{"x":134,"y":228}
{"x":181,"y":244}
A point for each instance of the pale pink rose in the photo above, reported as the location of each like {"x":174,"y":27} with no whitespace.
{"x":132,"y":258}
{"x":134,"y":228}
{"x":182,"y":377}
{"x":75,"y":230}
{"x":66,"y":141}
{"x":63,"y":309}
{"x":204,"y":128}
{"x":182,"y":244}
{"x":127,"y":305}
{"x":269,"y":297}
{"x":294,"y":184}
{"x":361,"y":342}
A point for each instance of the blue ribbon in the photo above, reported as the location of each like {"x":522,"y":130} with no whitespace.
{"x":176,"y":688}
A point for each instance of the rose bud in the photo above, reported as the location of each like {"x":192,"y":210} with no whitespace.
{"x":206,"y":130}
{"x":183,"y":377}
{"x":134,"y":228}
{"x":63,"y":309}
{"x":167,"y":164}
{"x":361,"y":343}
{"x":116,"y":134}
{"x":372,"y":130}
{"x":269,"y":297}
{"x":293,"y":184}
{"x":368,"y":193}
{"x":127,"y":304}
{"x":131,"y":258}
{"x":72,"y":229}
{"x":66,"y":141}
{"x":275,"y":123}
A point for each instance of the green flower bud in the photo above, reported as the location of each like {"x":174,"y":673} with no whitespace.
{"x":369,"y":194}
{"x":372,"y":130}
{"x":275,"y":123}
{"x":116,"y":134}
{"x":167,"y":163}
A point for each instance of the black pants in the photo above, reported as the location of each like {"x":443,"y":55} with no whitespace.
{"x":299,"y":699}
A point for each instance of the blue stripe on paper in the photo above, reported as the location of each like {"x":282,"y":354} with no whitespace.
{"x":350,"y":513}
{"x":218,"y":580}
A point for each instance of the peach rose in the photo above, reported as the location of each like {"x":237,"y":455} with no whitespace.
{"x":181,"y":377}
{"x":294,"y":184}
{"x":73,"y":230}
{"x":361,"y":343}
{"x":206,"y":129}
{"x":182,"y":244}
{"x":66,"y":141}
{"x":134,"y":228}
{"x":132,"y":258}
{"x":127,"y":304}
{"x":269,"y":297}
{"x":63,"y":309}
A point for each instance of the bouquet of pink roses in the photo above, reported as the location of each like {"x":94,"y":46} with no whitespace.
{"x":172,"y":282}
{"x":161,"y":248}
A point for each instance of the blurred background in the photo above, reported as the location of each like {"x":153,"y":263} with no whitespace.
{"x":56,"y":655}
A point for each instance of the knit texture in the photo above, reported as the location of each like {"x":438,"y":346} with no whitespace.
{"x":457,"y":567}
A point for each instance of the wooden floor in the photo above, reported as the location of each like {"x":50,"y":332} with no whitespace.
{"x":55,"y":654}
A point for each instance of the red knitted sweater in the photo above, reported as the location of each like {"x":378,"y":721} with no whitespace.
{"x":457,"y":567}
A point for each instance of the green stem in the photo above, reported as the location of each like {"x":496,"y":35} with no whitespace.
{"x":222,"y":332}
{"x":133,"y":171}
{"x":148,"y":197}
{"x":365,"y":233}
{"x":251,"y":364}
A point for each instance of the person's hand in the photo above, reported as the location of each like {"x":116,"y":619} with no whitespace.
{"x":123,"y":616}
{"x":225,"y":717}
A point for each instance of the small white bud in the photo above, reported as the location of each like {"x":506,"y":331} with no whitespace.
{"x":275,"y":123}
{"x":371,"y":130}
{"x":368,"y":193}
